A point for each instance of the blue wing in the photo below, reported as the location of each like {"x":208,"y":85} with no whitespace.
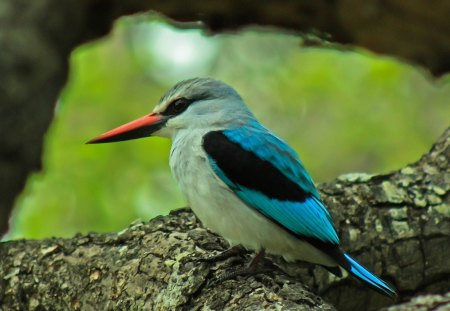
{"x":269,"y":147}
{"x":266,"y":174}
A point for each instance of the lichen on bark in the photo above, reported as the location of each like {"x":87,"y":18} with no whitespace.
{"x":155,"y":265}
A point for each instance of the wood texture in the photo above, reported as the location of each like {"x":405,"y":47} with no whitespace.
{"x":398,"y":225}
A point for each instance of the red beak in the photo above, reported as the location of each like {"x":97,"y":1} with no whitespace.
{"x":138,"y":128}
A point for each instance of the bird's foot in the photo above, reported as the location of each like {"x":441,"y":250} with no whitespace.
{"x":234,"y":251}
{"x":257,"y":265}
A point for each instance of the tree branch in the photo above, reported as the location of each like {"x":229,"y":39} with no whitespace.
{"x":409,"y":30}
{"x":396,"y":224}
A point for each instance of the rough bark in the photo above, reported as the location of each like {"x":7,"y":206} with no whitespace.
{"x":396,"y":224}
{"x":411,"y":30}
{"x":36,"y":38}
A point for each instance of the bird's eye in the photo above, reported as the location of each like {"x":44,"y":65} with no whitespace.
{"x":177,"y":106}
{"x":180,"y":104}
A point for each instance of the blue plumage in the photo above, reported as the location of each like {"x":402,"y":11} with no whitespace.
{"x":252,"y":162}
{"x":307,"y":218}
{"x":256,"y":138}
{"x":364,"y":275}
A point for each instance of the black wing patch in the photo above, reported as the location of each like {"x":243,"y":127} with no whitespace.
{"x":246,"y":169}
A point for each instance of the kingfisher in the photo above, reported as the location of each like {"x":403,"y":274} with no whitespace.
{"x":241,"y":180}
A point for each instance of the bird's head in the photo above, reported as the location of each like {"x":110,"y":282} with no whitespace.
{"x":191,"y":104}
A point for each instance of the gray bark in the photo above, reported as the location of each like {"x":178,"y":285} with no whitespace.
{"x":397,"y":224}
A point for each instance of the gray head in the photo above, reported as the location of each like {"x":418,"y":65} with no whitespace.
{"x":197,"y":89}
{"x":199,"y":103}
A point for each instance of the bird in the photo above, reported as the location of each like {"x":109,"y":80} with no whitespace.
{"x":241,"y":180}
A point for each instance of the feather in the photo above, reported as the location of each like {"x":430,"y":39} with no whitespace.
{"x":266,"y":174}
{"x":257,"y":139}
{"x":368,"y":278}
{"x":251,"y":165}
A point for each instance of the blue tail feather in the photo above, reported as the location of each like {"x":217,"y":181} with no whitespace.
{"x":368,"y":278}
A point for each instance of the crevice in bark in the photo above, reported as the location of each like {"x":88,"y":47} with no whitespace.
{"x":153,"y":265}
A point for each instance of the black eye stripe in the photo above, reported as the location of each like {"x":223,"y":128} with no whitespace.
{"x":177,"y":106}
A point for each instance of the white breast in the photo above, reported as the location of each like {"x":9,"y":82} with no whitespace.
{"x":221,"y":211}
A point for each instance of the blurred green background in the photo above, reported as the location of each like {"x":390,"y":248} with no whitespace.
{"x":343,"y":111}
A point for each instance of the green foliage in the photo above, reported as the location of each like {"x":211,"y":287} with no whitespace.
{"x":343,"y":111}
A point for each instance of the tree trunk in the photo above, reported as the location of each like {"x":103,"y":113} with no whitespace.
{"x":398,"y":225}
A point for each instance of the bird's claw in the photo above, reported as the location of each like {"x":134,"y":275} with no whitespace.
{"x":257,"y":265}
{"x":234,"y":251}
